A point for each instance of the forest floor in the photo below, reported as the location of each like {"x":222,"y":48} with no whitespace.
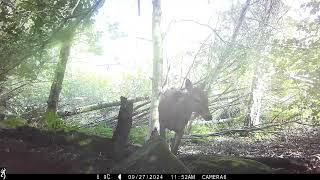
{"x":295,"y":151}
{"x":29,"y":150}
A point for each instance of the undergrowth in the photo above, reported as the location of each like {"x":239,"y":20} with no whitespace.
{"x":136,"y":135}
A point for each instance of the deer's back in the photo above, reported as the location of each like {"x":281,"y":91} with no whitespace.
{"x":174,"y":110}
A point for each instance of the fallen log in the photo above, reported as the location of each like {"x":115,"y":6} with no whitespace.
{"x":139,"y":119}
{"x":244,"y":130}
{"x":99,"y":121}
{"x":141,"y":111}
{"x":141,"y":105}
{"x":98,"y":106}
{"x":136,"y":115}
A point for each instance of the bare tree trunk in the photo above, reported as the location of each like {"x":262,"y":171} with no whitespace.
{"x":254,"y":105}
{"x":58,"y":77}
{"x":157,"y":66}
{"x":257,"y":85}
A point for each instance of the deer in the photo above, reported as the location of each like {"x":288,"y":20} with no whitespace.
{"x":176,"y":107}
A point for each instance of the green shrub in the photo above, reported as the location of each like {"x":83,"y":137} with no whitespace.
{"x":100,"y":130}
{"x":201,"y":129}
{"x":137,"y":135}
{"x":13,"y":123}
{"x":52,"y":122}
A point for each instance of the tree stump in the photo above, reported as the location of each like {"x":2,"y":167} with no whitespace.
{"x":153,"y":158}
{"x":121,"y":133}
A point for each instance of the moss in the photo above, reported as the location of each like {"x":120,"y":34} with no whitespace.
{"x":71,"y":137}
{"x":85,"y":142}
{"x":233,"y":165}
{"x":201,"y":129}
{"x":52,"y":122}
{"x":99,"y":130}
{"x":69,"y":127}
{"x":153,"y":157}
{"x":137,"y":135}
{"x":13,"y":123}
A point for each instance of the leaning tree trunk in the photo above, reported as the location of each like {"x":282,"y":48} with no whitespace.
{"x":157,"y":66}
{"x":257,"y":85}
{"x":58,"y":77}
{"x":229,"y":48}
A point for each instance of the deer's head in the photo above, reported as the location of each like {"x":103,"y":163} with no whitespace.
{"x":199,"y":100}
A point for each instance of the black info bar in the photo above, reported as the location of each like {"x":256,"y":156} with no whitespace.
{"x":160,"y":176}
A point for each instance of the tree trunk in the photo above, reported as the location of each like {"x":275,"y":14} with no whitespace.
{"x":224,"y":58}
{"x":157,"y":66}
{"x":3,"y":97}
{"x":58,"y":77}
{"x":120,"y":135}
{"x":257,"y":85}
{"x":254,"y":105}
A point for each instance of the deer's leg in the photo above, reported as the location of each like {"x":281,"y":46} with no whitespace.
{"x":171,"y":142}
{"x":177,"y":140}
{"x":162,"y":131}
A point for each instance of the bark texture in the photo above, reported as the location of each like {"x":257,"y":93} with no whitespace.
{"x":157,"y":66}
{"x":58,"y":77}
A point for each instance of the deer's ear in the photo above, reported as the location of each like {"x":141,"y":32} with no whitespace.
{"x":189,"y":85}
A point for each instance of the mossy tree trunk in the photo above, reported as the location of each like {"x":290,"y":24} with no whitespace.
{"x":56,"y":86}
{"x":157,"y":66}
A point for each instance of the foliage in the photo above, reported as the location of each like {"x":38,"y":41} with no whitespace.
{"x":13,"y":123}
{"x":296,"y":65}
{"x":28,"y":27}
{"x":201,"y":129}
{"x":137,"y":135}
{"x":99,"y":130}
{"x":31,"y":33}
{"x":51,"y":121}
